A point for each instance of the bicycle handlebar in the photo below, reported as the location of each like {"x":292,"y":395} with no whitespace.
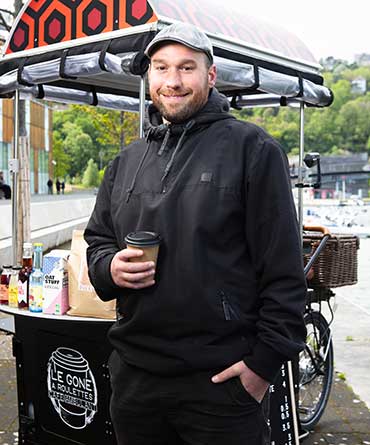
{"x":326,"y":235}
{"x":324,"y":230}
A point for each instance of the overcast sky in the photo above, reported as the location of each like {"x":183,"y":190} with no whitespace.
{"x":327,"y":27}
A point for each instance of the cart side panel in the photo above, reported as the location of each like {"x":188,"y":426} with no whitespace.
{"x":63,"y":381}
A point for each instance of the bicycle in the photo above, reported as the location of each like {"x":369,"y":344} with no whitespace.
{"x":314,"y":369}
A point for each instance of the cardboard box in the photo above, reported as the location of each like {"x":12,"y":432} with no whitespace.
{"x":55,"y":285}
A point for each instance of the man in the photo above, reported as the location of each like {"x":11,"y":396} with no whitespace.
{"x":5,"y":190}
{"x":50,"y":186}
{"x":200,"y":336}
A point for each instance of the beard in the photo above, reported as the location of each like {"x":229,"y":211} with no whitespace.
{"x":180,"y":112}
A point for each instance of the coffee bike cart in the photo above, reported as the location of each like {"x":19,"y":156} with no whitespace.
{"x":91,"y":52}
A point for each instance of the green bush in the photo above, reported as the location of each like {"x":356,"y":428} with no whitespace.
{"x":91,"y":175}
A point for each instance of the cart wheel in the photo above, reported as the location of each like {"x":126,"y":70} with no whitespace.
{"x":315,"y":370}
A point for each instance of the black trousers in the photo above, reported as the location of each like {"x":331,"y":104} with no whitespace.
{"x":148,"y":409}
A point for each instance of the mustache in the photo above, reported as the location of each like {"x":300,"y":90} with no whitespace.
{"x":167,"y":92}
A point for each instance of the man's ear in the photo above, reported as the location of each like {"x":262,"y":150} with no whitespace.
{"x":212,"y":76}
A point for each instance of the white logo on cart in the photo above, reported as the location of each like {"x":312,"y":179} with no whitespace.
{"x":72,"y":388}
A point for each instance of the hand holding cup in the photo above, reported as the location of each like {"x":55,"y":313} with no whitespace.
{"x":134,"y":267}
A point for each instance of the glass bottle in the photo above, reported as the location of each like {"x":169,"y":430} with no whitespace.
{"x":24,"y":276}
{"x":4,"y":284}
{"x":36,"y":280}
{"x":13,"y":287}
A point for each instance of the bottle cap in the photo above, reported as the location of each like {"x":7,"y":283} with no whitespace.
{"x":38,"y":244}
{"x":27,"y":245}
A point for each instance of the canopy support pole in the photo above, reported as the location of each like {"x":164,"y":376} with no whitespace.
{"x":14,"y":170}
{"x":300,"y":170}
{"x":142,"y":105}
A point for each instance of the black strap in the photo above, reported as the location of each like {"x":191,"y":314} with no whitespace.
{"x":95,"y":96}
{"x":300,"y":80}
{"x":62,"y":66}
{"x":139,"y":64}
{"x":102,"y":55}
{"x":20,"y":71}
{"x":256,"y":77}
{"x":283,"y":101}
{"x":234,"y":104}
{"x":41,"y":92}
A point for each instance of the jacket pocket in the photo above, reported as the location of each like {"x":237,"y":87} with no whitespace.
{"x":230,"y":310}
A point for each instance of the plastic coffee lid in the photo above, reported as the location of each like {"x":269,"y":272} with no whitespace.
{"x":143,"y":239}
{"x":7,"y":266}
{"x":17,"y":267}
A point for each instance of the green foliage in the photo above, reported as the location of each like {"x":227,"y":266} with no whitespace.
{"x":84,"y":132}
{"x":60,"y":157}
{"x":101,"y":175}
{"x":353,"y":123}
{"x":91,"y":175}
{"x":341,"y":128}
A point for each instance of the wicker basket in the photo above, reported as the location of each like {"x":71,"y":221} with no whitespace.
{"x":337,"y":264}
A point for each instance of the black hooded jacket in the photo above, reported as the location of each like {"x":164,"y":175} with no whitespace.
{"x":229,"y":279}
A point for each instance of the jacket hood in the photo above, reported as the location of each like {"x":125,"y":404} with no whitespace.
{"x":217,"y":108}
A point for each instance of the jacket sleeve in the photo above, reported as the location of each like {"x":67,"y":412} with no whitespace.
{"x":102,"y":244}
{"x":274,"y":243}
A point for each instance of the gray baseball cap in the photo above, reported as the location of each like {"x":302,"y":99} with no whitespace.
{"x":188,"y":35}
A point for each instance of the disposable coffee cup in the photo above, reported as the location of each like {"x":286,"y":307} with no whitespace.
{"x":148,"y":242}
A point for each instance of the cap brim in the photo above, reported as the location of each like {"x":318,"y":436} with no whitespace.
{"x":157,"y":42}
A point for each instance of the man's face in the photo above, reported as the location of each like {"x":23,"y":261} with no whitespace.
{"x":179,"y":81}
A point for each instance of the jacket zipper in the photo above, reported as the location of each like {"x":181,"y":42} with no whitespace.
{"x":229,"y":311}
{"x":225,"y":307}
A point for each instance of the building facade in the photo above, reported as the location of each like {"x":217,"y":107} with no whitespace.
{"x":342,"y":176}
{"x":39,"y":132}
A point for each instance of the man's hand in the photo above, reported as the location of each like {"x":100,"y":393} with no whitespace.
{"x":255,"y":385}
{"x":131,"y":275}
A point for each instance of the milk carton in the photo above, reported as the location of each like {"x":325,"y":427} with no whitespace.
{"x":55,"y":286}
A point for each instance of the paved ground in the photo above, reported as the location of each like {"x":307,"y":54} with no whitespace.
{"x":54,"y":197}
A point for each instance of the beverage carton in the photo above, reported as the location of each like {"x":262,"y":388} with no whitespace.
{"x":55,"y":285}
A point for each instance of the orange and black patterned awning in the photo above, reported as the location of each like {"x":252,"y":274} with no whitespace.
{"x":47,"y":22}
{"x":59,"y":46}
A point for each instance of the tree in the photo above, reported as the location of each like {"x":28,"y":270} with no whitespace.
{"x":79,"y":146}
{"x":353,"y":123}
{"x":60,"y":156}
{"x":342,"y":94}
{"x":116,"y":129}
{"x":91,"y":175}
{"x":96,"y":133}
{"x":321,"y":132}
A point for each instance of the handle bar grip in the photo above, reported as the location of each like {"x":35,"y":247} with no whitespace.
{"x":324,"y":230}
